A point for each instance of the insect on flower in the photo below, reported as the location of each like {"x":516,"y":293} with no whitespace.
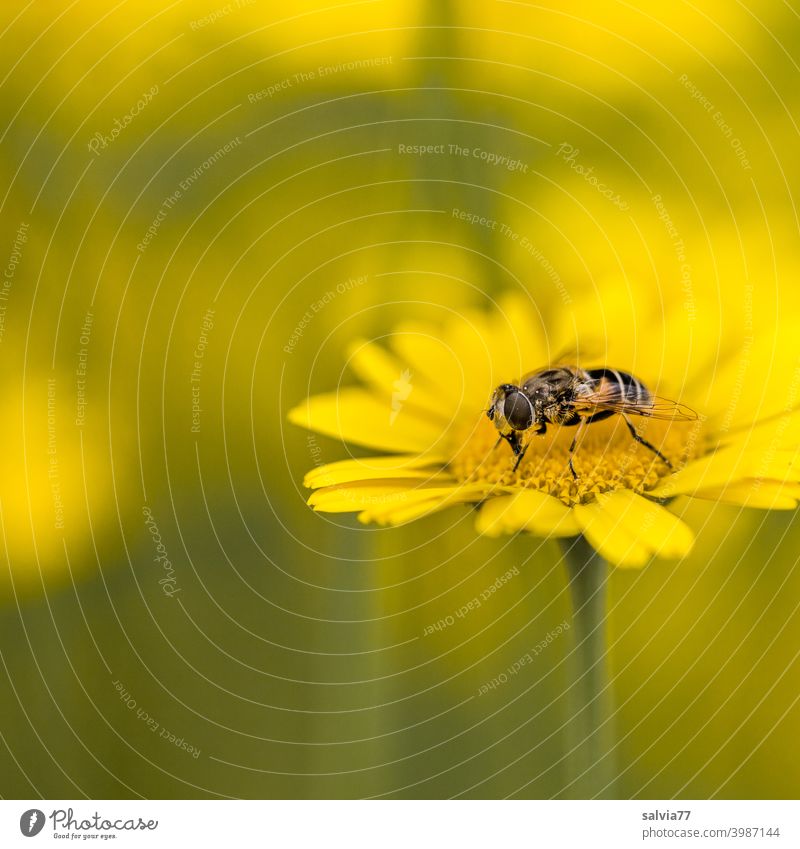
{"x":569,"y":396}
{"x":440,"y":450}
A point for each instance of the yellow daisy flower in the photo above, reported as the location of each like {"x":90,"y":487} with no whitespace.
{"x":424,"y":402}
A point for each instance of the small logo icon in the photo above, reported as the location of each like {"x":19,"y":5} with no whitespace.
{"x":402,"y":389}
{"x":31,"y":822}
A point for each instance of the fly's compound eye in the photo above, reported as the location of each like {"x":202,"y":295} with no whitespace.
{"x":518,"y":411}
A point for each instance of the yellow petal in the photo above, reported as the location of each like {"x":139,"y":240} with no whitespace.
{"x":526,"y":510}
{"x":384,"y":372}
{"x":627,"y":529}
{"x":663,"y":533}
{"x":424,"y":502}
{"x":468,"y":336}
{"x":494,"y":348}
{"x":355,"y":416}
{"x":431,"y":360}
{"x":729,"y":465}
{"x":613,"y":540}
{"x":383,"y":498}
{"x":764,"y":494}
{"x":520,"y":343}
{"x":373,"y":468}
{"x":781,"y":431}
{"x":354,"y":497}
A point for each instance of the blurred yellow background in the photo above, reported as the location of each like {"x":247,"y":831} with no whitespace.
{"x":204,"y":204}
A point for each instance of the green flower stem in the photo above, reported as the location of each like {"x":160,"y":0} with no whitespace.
{"x":591,"y":735}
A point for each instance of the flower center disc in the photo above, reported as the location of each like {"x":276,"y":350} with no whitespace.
{"x":606,"y":457}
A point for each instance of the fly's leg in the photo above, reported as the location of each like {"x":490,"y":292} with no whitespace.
{"x":519,"y":450}
{"x":574,"y":442}
{"x":581,"y":423}
{"x":515,"y":441}
{"x":520,"y":454}
{"x":642,"y":441}
{"x":516,"y":446}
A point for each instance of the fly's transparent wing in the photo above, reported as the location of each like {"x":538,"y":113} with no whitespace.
{"x":652,"y":406}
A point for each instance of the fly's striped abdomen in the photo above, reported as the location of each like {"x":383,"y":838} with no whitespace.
{"x":619,"y":387}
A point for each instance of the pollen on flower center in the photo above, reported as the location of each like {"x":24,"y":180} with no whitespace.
{"x":606,"y":457}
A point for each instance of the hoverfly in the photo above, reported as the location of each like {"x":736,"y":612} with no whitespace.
{"x":571,"y":396}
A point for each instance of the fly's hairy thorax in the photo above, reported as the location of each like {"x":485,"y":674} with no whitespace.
{"x":553,"y":391}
